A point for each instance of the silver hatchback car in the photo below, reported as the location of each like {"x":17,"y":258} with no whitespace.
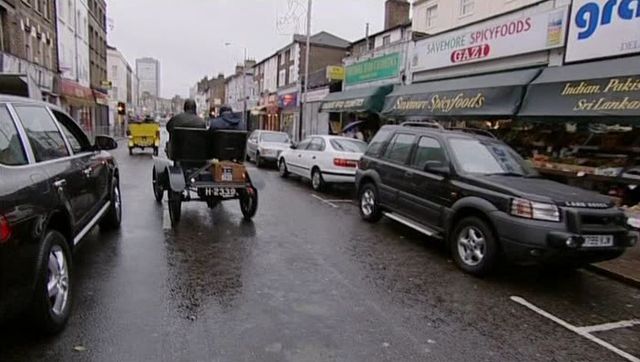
{"x":266,"y":146}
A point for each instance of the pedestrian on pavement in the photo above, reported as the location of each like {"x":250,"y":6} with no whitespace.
{"x":227,"y":120}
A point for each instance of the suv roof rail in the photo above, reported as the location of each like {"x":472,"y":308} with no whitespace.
{"x":477,"y":131}
{"x":430,"y":124}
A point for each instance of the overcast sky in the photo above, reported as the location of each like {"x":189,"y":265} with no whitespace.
{"x":189,"y":36}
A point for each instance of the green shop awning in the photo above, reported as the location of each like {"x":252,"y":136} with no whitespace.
{"x":356,"y":100}
{"x":603,"y":89}
{"x":484,"y":96}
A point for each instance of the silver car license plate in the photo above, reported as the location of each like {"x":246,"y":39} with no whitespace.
{"x":597,"y":241}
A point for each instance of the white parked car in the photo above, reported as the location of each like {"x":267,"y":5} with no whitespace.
{"x":323,"y":159}
{"x":266,"y":146}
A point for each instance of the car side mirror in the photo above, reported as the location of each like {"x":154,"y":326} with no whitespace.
{"x":105,"y":143}
{"x":293,"y":146}
{"x":437,"y":167}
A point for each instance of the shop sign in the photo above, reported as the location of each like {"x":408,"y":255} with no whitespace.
{"x":316,"y":95}
{"x":106,"y":84}
{"x":472,"y":102}
{"x":335,"y":72}
{"x":505,"y":36}
{"x":289,"y":100}
{"x":387,"y":66}
{"x":618,"y":96}
{"x":603,"y":28}
{"x":344,"y":105}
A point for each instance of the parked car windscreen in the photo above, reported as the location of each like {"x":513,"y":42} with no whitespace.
{"x":275,"y":137}
{"x":343,"y":145}
{"x":488,"y":158}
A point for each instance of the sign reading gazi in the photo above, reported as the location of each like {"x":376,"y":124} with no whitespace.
{"x":523,"y":32}
{"x":603,"y":28}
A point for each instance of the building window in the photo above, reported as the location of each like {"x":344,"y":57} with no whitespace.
{"x":280,"y":59}
{"x":47,"y":9}
{"x":466,"y":7}
{"x":432,"y":13}
{"x":70,"y":10}
{"x":38,"y":6}
{"x":371,"y":44}
{"x":386,"y":40}
{"x":3,"y":31}
{"x":27,"y":46}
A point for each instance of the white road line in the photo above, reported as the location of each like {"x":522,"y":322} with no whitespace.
{"x":609,"y":326}
{"x":166,"y":219}
{"x":577,"y":330}
{"x":325,"y":201}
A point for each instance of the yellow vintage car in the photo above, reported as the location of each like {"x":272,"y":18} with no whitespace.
{"x":145,"y":134}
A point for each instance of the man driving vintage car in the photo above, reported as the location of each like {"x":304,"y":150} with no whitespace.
{"x":187,"y":119}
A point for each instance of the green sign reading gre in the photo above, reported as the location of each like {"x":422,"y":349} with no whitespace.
{"x":383,"y":67}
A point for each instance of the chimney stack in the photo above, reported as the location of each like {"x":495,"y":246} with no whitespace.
{"x":396,"y":12}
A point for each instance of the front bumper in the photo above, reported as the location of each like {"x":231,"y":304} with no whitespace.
{"x":531,"y":241}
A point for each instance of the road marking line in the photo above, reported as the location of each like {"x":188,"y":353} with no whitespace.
{"x":609,"y":326}
{"x":166,"y":219}
{"x":338,"y":201}
{"x":325,"y":201}
{"x":578,"y":330}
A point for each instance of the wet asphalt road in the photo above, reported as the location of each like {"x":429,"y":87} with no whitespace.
{"x":308,"y":281}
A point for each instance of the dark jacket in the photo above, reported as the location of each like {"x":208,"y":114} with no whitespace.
{"x":227,"y":120}
{"x":186,"y":120}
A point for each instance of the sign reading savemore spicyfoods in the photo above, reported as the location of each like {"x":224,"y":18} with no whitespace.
{"x":526,"y":31}
{"x":387,"y":66}
{"x":501,"y":101}
{"x":603,"y":28}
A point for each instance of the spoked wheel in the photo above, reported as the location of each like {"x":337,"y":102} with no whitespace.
{"x":175,"y":207}
{"x":249,"y":202}
{"x":158,"y":190}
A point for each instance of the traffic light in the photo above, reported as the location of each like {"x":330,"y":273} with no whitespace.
{"x":122,"y":108}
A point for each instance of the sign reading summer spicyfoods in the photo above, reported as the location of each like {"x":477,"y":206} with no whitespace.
{"x":519,"y":33}
{"x":603,"y":28}
{"x":387,"y":66}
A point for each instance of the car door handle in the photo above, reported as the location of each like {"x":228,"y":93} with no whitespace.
{"x":60,"y":183}
{"x":313,"y":158}
{"x":87,"y":171}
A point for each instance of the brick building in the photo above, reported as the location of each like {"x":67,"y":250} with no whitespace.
{"x":28,"y":47}
{"x":280,"y":79}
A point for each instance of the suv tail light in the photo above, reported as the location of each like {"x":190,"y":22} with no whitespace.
{"x":5,"y":230}
{"x":341,"y":162}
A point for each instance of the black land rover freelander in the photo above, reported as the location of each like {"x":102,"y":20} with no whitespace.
{"x":484,"y":200}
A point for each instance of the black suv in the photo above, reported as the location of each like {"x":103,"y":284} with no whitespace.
{"x":54,"y":187}
{"x":484,"y":200}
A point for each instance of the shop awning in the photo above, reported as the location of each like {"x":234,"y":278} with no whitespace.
{"x":101,"y":98}
{"x":484,"y":96}
{"x":75,"y":94}
{"x":356,"y":100}
{"x":609,"y":88}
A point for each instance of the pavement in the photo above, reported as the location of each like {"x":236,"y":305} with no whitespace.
{"x":308,"y":280}
{"x":625,"y":268}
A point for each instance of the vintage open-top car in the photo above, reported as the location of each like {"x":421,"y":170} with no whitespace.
{"x":204,"y":165}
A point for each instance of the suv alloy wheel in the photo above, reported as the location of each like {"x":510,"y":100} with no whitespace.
{"x":474,"y":247}
{"x":369,"y":209}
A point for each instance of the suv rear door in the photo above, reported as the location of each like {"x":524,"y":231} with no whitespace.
{"x":67,"y":174}
{"x":392,"y":168}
